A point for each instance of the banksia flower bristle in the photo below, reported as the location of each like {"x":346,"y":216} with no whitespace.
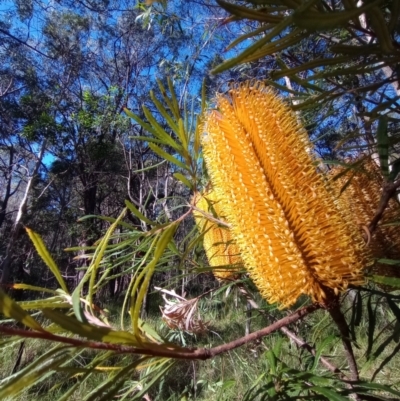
{"x":219,"y":246}
{"x":362,"y":197}
{"x":292,"y":237}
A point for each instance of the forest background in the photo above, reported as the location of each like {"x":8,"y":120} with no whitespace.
{"x":99,"y":109}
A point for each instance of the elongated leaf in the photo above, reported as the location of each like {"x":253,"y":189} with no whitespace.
{"x":154,"y":378}
{"x":320,"y":62}
{"x":376,"y":387}
{"x":390,"y":281}
{"x":138,"y":214}
{"x":53,"y":302}
{"x":381,"y":30}
{"x":20,"y":286}
{"x":255,"y":46}
{"x":314,"y":21}
{"x":183,"y":179}
{"x":244,"y":12}
{"x":281,"y":44}
{"x":392,"y":262}
{"x":9,"y":308}
{"x":89,"y":331}
{"x":46,"y":257}
{"x":159,"y":133}
{"x":34,"y":373}
{"x":168,"y":157}
{"x":330,"y":394}
{"x":172,"y":124}
{"x":174,"y":101}
{"x":383,"y":145}
{"x":162,"y":243}
{"x":320,"y":348}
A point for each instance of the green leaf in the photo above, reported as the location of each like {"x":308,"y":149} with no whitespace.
{"x":392,"y":262}
{"x":46,"y":257}
{"x":383,"y":145}
{"x":9,"y":308}
{"x":316,"y":21}
{"x":168,"y":157}
{"x":390,"y":281}
{"x":138,"y":214}
{"x":52,"y":302}
{"x":172,"y":124}
{"x":320,"y":349}
{"x":226,"y":65}
{"x":86,"y":330}
{"x":244,"y":12}
{"x":20,"y":286}
{"x":158,"y":133}
{"x":330,"y":394}
{"x":174,"y":101}
{"x":183,"y":179}
{"x":154,"y":378}
{"x":147,"y":273}
{"x":40,"y":369}
{"x":376,"y":387}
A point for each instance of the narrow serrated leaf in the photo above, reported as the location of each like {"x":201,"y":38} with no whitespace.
{"x":183,"y":179}
{"x":9,"y":308}
{"x":315,"y":21}
{"x":132,"y":208}
{"x":331,"y":395}
{"x":86,"y":330}
{"x":46,"y":257}
{"x":167,"y":156}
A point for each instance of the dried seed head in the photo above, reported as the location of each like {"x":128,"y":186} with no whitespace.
{"x":220,"y":248}
{"x":292,"y":237}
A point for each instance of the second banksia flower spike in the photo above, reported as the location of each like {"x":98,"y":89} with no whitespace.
{"x":292,"y":237}
{"x":220,"y":248}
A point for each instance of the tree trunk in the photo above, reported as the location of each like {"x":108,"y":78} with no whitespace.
{"x":16,"y":230}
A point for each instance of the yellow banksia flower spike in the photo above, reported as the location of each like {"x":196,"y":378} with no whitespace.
{"x":219,"y":246}
{"x":292,"y":237}
{"x":361,"y":198}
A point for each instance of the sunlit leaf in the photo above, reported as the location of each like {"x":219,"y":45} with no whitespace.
{"x":46,"y":257}
{"x":9,"y":308}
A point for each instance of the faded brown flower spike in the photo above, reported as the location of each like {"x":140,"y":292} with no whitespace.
{"x":287,"y":223}
{"x":219,"y":246}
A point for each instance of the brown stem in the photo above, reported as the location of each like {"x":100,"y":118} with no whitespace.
{"x":388,"y":191}
{"x":338,"y":318}
{"x":167,"y":350}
